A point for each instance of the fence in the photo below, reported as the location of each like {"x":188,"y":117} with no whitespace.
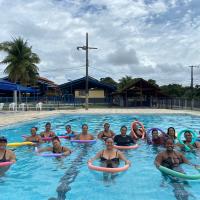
{"x":176,"y":103}
{"x":55,"y":102}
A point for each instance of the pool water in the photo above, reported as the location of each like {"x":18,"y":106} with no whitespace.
{"x":34,"y":177}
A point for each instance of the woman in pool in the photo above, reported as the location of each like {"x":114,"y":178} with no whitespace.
{"x":84,"y":134}
{"x":56,"y":148}
{"x":47,"y":132}
{"x":171,"y":133}
{"x":157,"y":140}
{"x":170,"y":158}
{"x":6,"y":155}
{"x":123,"y":139}
{"x":187,"y":141}
{"x":106,"y":133}
{"x":110,"y":157}
{"x":34,"y":137}
{"x":69,"y":132}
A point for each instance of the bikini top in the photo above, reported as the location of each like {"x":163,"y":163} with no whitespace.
{"x":116,"y":159}
{"x":62,"y":150}
{"x":4,"y":158}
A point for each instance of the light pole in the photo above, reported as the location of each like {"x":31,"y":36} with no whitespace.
{"x":191,"y":85}
{"x":86,"y":48}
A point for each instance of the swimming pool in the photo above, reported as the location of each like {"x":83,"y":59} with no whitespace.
{"x":34,"y":177}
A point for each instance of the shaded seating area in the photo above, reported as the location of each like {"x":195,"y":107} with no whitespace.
{"x":13,"y":89}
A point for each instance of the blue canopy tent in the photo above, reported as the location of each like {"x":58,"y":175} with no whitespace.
{"x":9,"y":86}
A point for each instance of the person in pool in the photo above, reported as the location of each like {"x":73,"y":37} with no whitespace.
{"x":122,"y":139}
{"x":110,"y":157}
{"x":6,"y":155}
{"x":136,"y":133}
{"x":106,"y":133}
{"x":56,"y":148}
{"x":157,"y":140}
{"x":69,"y":132}
{"x":84,"y":135}
{"x":187,"y":141}
{"x":34,"y":137}
{"x":170,"y":158}
{"x":171,"y":133}
{"x":47,"y":132}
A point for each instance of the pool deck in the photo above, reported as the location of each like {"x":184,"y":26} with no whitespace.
{"x":12,"y":117}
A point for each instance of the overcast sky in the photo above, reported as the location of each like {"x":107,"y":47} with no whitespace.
{"x":153,"y":39}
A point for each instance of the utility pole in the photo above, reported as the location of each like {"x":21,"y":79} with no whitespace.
{"x":86,"y":48}
{"x":192,"y":84}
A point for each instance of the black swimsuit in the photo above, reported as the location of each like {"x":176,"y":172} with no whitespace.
{"x":4,"y":158}
{"x":168,"y":162}
{"x":105,"y":137}
{"x":110,"y":162}
{"x":57,"y":152}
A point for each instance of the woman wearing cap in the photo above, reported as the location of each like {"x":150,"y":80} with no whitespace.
{"x":106,"y":133}
{"x":84,"y":135}
{"x":6,"y":155}
{"x":34,"y":137}
{"x":56,"y":148}
{"x":47,"y":132}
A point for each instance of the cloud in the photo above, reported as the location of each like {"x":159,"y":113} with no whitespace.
{"x":144,"y":38}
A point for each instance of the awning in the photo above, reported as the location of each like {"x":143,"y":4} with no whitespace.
{"x":9,"y":86}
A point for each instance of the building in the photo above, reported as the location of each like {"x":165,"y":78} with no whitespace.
{"x":139,"y":93}
{"x":98,"y":92}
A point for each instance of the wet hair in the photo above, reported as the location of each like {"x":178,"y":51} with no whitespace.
{"x":154,"y":130}
{"x":36,"y":128}
{"x":171,"y":128}
{"x":123,"y":127}
{"x":187,"y":132}
{"x":48,"y":124}
{"x":55,"y":138}
{"x":84,"y":125}
{"x":108,"y":139}
{"x":68,"y":126}
{"x":3,"y":139}
{"x":106,"y":124}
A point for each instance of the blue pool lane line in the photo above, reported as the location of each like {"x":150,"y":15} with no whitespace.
{"x":72,"y":172}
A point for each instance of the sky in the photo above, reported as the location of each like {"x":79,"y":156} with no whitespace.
{"x":152,"y":39}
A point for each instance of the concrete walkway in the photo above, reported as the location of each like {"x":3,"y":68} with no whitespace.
{"x":10,"y":117}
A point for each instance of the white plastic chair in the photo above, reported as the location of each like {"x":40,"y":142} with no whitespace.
{"x":12,"y":106}
{"x":1,"y":106}
{"x":39,"y":106}
{"x":22,"y":106}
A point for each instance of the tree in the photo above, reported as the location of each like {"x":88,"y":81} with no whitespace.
{"x":153,"y":82}
{"x":21,"y":61}
{"x":124,"y":82}
{"x":173,"y":90}
{"x":108,"y":80}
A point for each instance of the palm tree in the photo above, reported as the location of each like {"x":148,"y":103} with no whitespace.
{"x":124,"y":82}
{"x":21,"y":61}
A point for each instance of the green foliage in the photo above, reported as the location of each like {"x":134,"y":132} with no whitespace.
{"x":21,"y":61}
{"x":173,"y":90}
{"x":108,"y":80}
{"x":125,"y":82}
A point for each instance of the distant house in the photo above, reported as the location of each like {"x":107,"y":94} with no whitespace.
{"x":139,"y":93}
{"x":98,"y":92}
{"x":47,"y":87}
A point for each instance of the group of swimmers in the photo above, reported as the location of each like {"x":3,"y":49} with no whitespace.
{"x":110,"y":157}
